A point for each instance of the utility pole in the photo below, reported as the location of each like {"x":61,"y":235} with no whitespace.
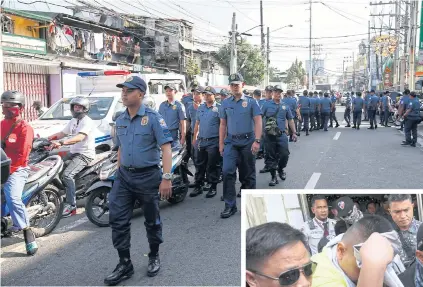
{"x":1,"y":51}
{"x":268,"y":58}
{"x":369,"y":75}
{"x":397,"y":36}
{"x":413,"y":34}
{"x":262,"y":29}
{"x":403,"y":65}
{"x":353,"y":62}
{"x":310,"y":71}
{"x":233,"y":50}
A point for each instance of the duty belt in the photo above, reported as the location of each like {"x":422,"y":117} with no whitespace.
{"x":139,"y":169}
{"x":207,"y":139}
{"x":241,"y":136}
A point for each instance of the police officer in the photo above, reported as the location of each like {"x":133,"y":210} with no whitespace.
{"x":312,"y":111}
{"x":140,"y":131}
{"x":321,"y":226}
{"x":325,"y":108}
{"x":372,"y":106}
{"x":224,"y":93}
{"x":317,"y":111}
{"x":305,"y":108}
{"x":239,"y":138}
{"x":269,"y":90}
{"x":291,"y":102}
{"x":412,"y":116}
{"x":358,"y":106}
{"x":333,"y":111}
{"x":386,"y":108}
{"x":366,"y":104}
{"x":403,"y":106}
{"x":275,"y":115}
{"x":174,"y":115}
{"x":206,"y":138}
{"x":260,"y":101}
{"x":347,"y":113}
{"x":186,"y":101}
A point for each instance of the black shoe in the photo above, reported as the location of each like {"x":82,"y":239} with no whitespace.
{"x":212,"y":193}
{"x":375,"y":126}
{"x":207,"y":187}
{"x":387,"y":126}
{"x":282,"y":174}
{"x":358,"y":127}
{"x":326,"y":130}
{"x":265,"y":170}
{"x":192,"y":184}
{"x":153,"y":266}
{"x":197,"y":191}
{"x":307,"y":134}
{"x":413,"y":144}
{"x":347,"y":126}
{"x":354,"y":127}
{"x":229,"y":211}
{"x":371,"y":128}
{"x":337,"y":125}
{"x":404,"y":143}
{"x":124,"y":270}
{"x":298,"y":134}
{"x":274,"y":181}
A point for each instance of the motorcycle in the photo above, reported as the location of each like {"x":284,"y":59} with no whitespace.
{"x":96,"y":209}
{"x":42,"y":198}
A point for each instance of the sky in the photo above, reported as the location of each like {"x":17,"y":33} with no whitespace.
{"x":213,"y":19}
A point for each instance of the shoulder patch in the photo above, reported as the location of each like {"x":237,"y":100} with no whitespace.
{"x":162,"y":123}
{"x":144,"y":120}
{"x":244,"y":104}
{"x":215,"y":109}
{"x":283,"y":107}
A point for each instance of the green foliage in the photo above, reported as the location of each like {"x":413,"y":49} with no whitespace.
{"x":295,"y":74}
{"x":192,"y":68}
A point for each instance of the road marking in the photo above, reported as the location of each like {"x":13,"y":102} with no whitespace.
{"x":311,"y":184}
{"x":336,"y":137}
{"x":71,"y":225}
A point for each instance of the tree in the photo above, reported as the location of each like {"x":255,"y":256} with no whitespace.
{"x":192,"y":69}
{"x":295,"y":74}
{"x":250,"y":62}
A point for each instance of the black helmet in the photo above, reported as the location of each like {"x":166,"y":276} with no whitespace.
{"x":13,"y":97}
{"x":81,"y":101}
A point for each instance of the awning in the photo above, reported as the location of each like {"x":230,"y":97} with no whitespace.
{"x":90,"y":66}
{"x":186,"y":45}
{"x":32,"y":61}
{"x":42,"y":16}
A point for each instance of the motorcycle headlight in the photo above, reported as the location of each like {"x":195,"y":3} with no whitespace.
{"x":106,"y":173}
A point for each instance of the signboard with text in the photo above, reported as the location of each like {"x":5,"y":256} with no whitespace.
{"x":16,"y":43}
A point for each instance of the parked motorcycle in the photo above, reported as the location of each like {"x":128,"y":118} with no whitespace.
{"x":42,"y":198}
{"x":97,"y":204}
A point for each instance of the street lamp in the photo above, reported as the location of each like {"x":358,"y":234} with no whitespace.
{"x":290,"y":26}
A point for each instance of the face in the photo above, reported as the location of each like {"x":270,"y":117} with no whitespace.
{"x":209,"y":98}
{"x":286,"y":258}
{"x":320,"y":209}
{"x":11,"y":110}
{"x":236,"y":89}
{"x":419,"y":256}
{"x":78,"y":108}
{"x":269,"y":95}
{"x":277,"y":95}
{"x":371,"y":208}
{"x":402,"y":213}
{"x":131,"y":97}
{"x":170,"y":94}
{"x":257,"y":97}
{"x":198,"y":97}
{"x":346,"y":259}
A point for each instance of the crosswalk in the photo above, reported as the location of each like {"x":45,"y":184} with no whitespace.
{"x":364,"y":124}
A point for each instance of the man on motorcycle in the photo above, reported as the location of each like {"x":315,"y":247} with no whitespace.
{"x":82,"y":150}
{"x":16,"y":140}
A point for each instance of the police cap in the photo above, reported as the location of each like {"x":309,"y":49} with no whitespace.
{"x":199,"y":89}
{"x":170,"y":86}
{"x":236,"y":79}
{"x":278,"y":88}
{"x":209,"y":90}
{"x":344,"y":205}
{"x":224,"y":92}
{"x":269,"y":89}
{"x":134,"y":82}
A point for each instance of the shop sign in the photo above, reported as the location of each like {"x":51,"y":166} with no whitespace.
{"x":23,"y":44}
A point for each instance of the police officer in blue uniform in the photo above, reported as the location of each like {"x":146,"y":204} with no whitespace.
{"x":291,"y":102}
{"x":260,"y":101}
{"x":358,"y":107}
{"x":366,"y":104}
{"x":174,"y":115}
{"x":239,"y":138}
{"x":186,"y":101}
{"x":413,"y":119}
{"x":372,"y":106}
{"x":140,"y":134}
{"x":276,"y":113}
{"x":270,"y":91}
{"x":333,"y":111}
{"x":312,"y":111}
{"x":206,"y":138}
{"x":317,"y":112}
{"x":347,"y":112}
{"x":325,"y":108}
{"x":305,"y":108}
{"x":386,"y":108}
{"x":403,"y":106}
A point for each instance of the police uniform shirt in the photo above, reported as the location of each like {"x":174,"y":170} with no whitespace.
{"x":138,"y":139}
{"x":314,"y":230}
{"x":270,"y":108}
{"x":367,"y":99}
{"x":305,"y":104}
{"x":172,"y":113}
{"x":209,"y":121}
{"x":358,"y":104}
{"x":409,"y":242}
{"x":187,"y":100}
{"x":239,"y":114}
{"x":261,"y":103}
{"x":292,"y":104}
{"x":385,"y":102}
{"x":373,"y":102}
{"x":348,"y":103}
{"x":326,"y":104}
{"x":333,"y":99}
{"x":192,"y":115}
{"x":312,"y":104}
{"x":414,"y":106}
{"x":405,"y":101}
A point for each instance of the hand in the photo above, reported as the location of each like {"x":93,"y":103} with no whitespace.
{"x":377,"y":251}
{"x":165,"y":189}
{"x":221,"y":148}
{"x":55,"y":145}
{"x":294,"y":137}
{"x":182,"y":140}
{"x":194,"y":143}
{"x":255,"y":147}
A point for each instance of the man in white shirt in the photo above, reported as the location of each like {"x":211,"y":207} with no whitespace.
{"x":82,"y":150}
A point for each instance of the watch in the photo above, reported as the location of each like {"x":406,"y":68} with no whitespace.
{"x":257,"y":140}
{"x":167,"y":176}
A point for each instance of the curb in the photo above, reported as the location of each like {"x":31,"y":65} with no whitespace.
{"x":419,"y":138}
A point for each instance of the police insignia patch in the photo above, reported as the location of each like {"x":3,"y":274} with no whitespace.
{"x":162,"y":122}
{"x":174,"y":107}
{"x":283,"y":108}
{"x":144,"y":121}
{"x":244,"y":104}
{"x":215,"y":109}
{"x":233,"y":77}
{"x":129,"y":79}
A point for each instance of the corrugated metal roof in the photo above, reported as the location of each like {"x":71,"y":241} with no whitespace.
{"x":40,"y":16}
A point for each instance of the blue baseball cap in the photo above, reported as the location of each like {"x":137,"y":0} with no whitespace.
{"x":134,"y":82}
{"x":236,"y":79}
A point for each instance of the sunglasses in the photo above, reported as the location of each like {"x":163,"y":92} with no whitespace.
{"x":293,"y":275}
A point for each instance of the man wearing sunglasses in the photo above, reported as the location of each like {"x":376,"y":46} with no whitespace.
{"x":337,"y":264}
{"x":277,"y":255}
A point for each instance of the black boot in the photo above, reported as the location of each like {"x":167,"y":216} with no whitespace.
{"x":153,"y":265}
{"x":265,"y":170}
{"x":307,"y":133}
{"x":354,"y":126}
{"x":212,"y":191}
{"x":124,"y":270}
{"x":337,"y":125}
{"x":274,"y":181}
{"x":197,"y":191}
{"x":192,"y":184}
{"x":282,"y":174}
{"x":229,"y":211}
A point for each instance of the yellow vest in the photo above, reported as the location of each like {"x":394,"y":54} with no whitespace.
{"x":326,"y":273}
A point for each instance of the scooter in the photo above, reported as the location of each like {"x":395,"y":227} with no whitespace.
{"x":42,"y":198}
{"x":97,"y":204}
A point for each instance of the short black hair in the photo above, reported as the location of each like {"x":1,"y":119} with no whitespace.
{"x":265,"y":239}
{"x":317,"y":197}
{"x":399,"y":197}
{"x":340,"y":227}
{"x":370,"y":202}
{"x":305,"y":93}
{"x":406,"y":91}
{"x":360,"y":231}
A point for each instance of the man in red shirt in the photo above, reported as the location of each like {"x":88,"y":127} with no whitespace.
{"x":16,"y":140}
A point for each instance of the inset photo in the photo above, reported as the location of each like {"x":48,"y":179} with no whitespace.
{"x":343,"y":238}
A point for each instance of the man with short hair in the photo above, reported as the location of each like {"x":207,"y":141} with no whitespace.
{"x":401,"y":208}
{"x":384,"y":212}
{"x":403,"y":105}
{"x":371,"y":208}
{"x":277,"y":255}
{"x":39,"y":108}
{"x":413,"y":276}
{"x":412,"y":116}
{"x":320,"y":226}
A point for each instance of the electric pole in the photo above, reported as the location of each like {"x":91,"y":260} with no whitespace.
{"x":353,"y":62}
{"x":413,"y":34}
{"x":1,"y":51}
{"x":233,"y":50}
{"x":310,"y":71}
{"x":397,"y":36}
{"x":262,"y":29}
{"x":268,"y":58}
{"x":369,"y":75}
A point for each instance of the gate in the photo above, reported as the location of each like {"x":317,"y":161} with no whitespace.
{"x":32,"y":81}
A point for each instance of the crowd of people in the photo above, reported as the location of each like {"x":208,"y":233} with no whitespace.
{"x":353,"y":249}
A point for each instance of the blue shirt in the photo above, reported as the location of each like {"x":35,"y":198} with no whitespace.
{"x":414,"y":106}
{"x":261,"y":102}
{"x":405,"y":101}
{"x":372,"y":103}
{"x":305,"y":103}
{"x":333,"y":99}
{"x":284,"y":113}
{"x":291,"y":102}
{"x":385,"y":101}
{"x":348,"y":102}
{"x":187,"y":100}
{"x":358,"y":103}
{"x":139,"y":138}
{"x":240,"y":114}
{"x":172,"y":113}
{"x":192,"y":115}
{"x":326,"y":104}
{"x":313,"y":104}
{"x":367,"y":99}
{"x":208,"y":120}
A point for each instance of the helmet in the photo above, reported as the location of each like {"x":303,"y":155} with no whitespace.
{"x":13,"y":97}
{"x":81,"y":101}
{"x":149,"y":101}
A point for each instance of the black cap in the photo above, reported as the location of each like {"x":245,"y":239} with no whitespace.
{"x":385,"y":198}
{"x":257,"y":93}
{"x":245,"y":91}
{"x":277,"y":88}
{"x":320,"y":93}
{"x":315,"y":93}
{"x":224,"y":92}
{"x":372,"y":91}
{"x":236,"y":79}
{"x":420,"y":238}
{"x":344,"y":205}
{"x":170,"y":86}
{"x":199,"y":89}
{"x":358,"y":94}
{"x":269,"y":88}
{"x":209,"y":90}
{"x":413,"y":94}
{"x":406,"y":91}
{"x":134,"y":82}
